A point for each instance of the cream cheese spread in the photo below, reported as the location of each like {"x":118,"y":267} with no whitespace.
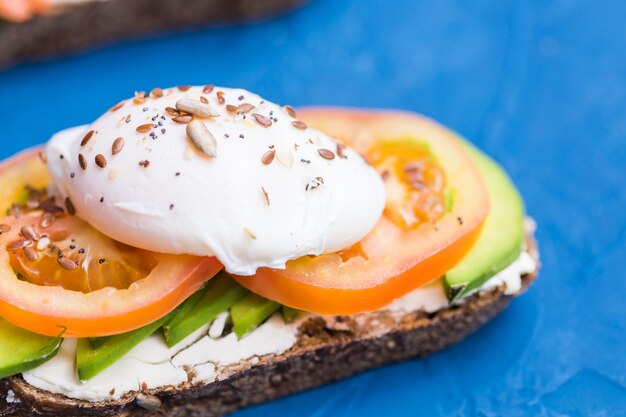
{"x":203,"y":355}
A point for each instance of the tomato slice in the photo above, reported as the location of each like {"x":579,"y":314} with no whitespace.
{"x":436,"y":205}
{"x":58,"y":273}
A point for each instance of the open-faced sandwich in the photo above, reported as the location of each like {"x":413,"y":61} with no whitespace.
{"x":33,"y":29}
{"x":200,"y":249}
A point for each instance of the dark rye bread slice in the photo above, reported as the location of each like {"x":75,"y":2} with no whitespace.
{"x":328,"y":349}
{"x":80,"y":26}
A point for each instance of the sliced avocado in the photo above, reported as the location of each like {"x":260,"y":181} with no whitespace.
{"x":21,"y":350}
{"x":220,"y":295}
{"x":290,"y":314}
{"x":90,"y":360}
{"x":250,"y":312}
{"x":501,"y":239}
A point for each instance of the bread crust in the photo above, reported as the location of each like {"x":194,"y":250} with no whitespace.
{"x":98,"y":22}
{"x":328,"y":349}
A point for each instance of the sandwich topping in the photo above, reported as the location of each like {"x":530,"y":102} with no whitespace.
{"x":188,"y":230}
{"x":225,"y":174}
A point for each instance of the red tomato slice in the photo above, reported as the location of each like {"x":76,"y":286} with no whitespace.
{"x":58,"y":273}
{"x":421,"y":235}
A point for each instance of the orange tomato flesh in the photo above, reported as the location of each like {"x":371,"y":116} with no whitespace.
{"x":111,"y":289}
{"x":416,"y":241}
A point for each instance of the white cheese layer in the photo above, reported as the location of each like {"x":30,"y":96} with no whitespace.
{"x":205,"y":354}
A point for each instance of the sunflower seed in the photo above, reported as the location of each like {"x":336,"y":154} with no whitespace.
{"x":201,"y":138}
{"x":204,"y":100}
{"x":184,"y":87}
{"x":86,"y":138}
{"x":299,"y":124}
{"x":220,"y":97}
{"x":231,"y":108}
{"x":31,"y":254}
{"x":208,"y":89}
{"x":326,"y":154}
{"x":18,"y":244}
{"x":117,"y":146}
{"x":43,"y":243}
{"x":101,"y":161}
{"x":285,"y":158}
{"x":28,"y":233}
{"x":262,"y":120}
{"x":195,"y":107}
{"x":66,"y":264}
{"x":268,"y":156}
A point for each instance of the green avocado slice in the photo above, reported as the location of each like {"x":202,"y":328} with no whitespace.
{"x":21,"y":350}
{"x":501,"y":239}
{"x":250,"y":312}
{"x":91,"y":360}
{"x":221,"y":293}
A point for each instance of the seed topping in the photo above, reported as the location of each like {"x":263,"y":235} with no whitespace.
{"x":172,"y":111}
{"x":183,"y":119}
{"x":298,"y":124}
{"x":101,"y":161}
{"x":268,"y":156}
{"x":220,"y":97}
{"x":86,"y":138}
{"x":156,"y":92}
{"x":249,"y":233}
{"x":195,"y":107}
{"x":231,"y":108}
{"x":18,"y":244}
{"x":313,"y":184}
{"x":244,"y":108}
{"x":266,"y":195}
{"x":69,"y":206}
{"x":326,"y":154}
{"x":145,"y":127}
{"x":291,"y":111}
{"x":46,"y":220}
{"x":31,"y":254}
{"x":340,"y":148}
{"x":204,"y":100}
{"x":66,"y":264}
{"x":183,"y":87}
{"x":82,"y":161}
{"x":28,"y":233}
{"x":117,"y":106}
{"x":262,"y":120}
{"x":208,"y":89}
{"x":201,"y":138}
{"x":118,"y":145}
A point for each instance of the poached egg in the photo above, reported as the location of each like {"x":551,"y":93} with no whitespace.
{"x":214,"y":171}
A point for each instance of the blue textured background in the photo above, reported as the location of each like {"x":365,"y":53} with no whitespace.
{"x":541,"y":85}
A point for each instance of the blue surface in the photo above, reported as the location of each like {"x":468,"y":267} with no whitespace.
{"x":541,"y":85}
